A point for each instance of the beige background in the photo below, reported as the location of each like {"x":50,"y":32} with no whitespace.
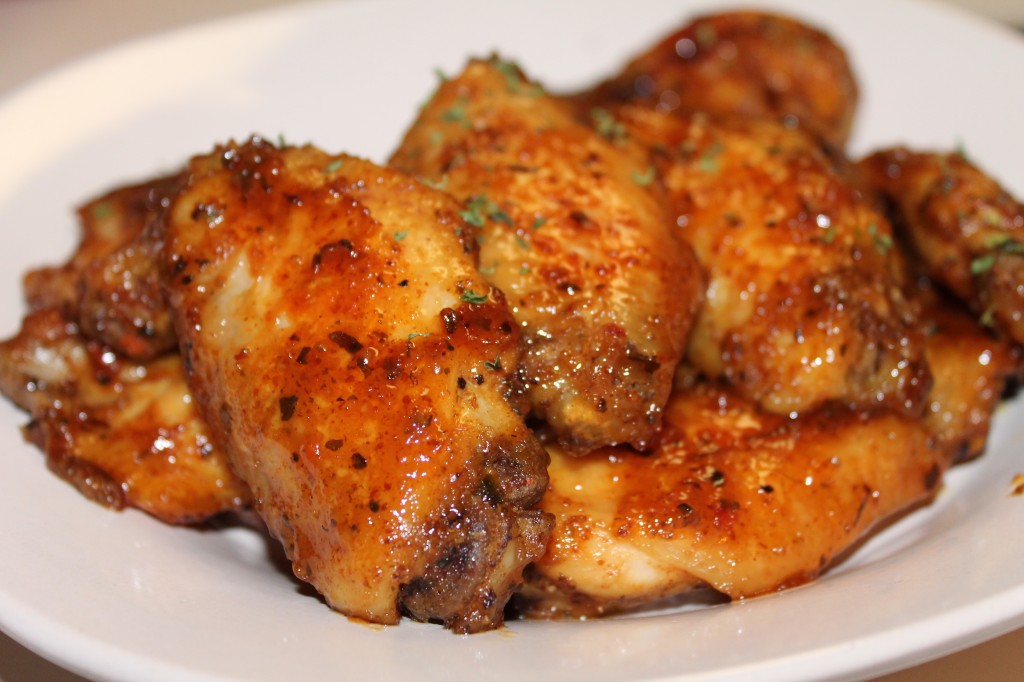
{"x":37,"y":35}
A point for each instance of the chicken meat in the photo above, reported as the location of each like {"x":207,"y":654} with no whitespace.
{"x":965,"y":227}
{"x":358,"y":370}
{"x":126,"y":434}
{"x":109,"y":287}
{"x":124,"y":431}
{"x":575,"y":232}
{"x":746,"y":502}
{"x":803,"y":304}
{"x":743,"y":64}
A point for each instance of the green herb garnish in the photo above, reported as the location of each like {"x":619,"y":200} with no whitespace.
{"x":709,"y":161}
{"x":456,"y":114}
{"x":435,"y":184}
{"x":645,"y":178}
{"x":883,"y":242}
{"x":983,"y":263}
{"x":479,"y":209}
{"x":606,"y":125}
{"x":473,"y":298}
{"x":514,"y":80}
{"x":102,"y":210}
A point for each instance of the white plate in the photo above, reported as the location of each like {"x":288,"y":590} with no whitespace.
{"x":122,"y":597}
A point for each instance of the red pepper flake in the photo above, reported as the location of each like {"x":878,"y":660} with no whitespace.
{"x":450,"y":320}
{"x":358,"y":461}
{"x":341,"y":244}
{"x":393,"y":368}
{"x":582,"y":221}
{"x":303,"y":355}
{"x":345,"y":341}
{"x":287,"y":405}
{"x":334,"y":444}
{"x":1018,"y":484}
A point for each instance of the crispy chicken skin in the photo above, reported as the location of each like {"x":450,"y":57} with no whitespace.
{"x":573,"y":229}
{"x":968,"y":231}
{"x":122,"y":301}
{"x":971,"y":369}
{"x":803,"y":304}
{"x":747,"y":502}
{"x":109,"y":286}
{"x":733,"y":497}
{"x":344,"y":348}
{"x":746,"y":64}
{"x":123,"y":433}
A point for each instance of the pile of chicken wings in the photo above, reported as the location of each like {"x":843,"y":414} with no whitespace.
{"x":564,"y":355}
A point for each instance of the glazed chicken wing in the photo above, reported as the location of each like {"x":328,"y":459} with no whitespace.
{"x":109,"y":286}
{"x":573,"y":230}
{"x":748,"y":502}
{"x":123,"y":433}
{"x":355,"y":365}
{"x":803,"y":304}
{"x":745,"y":64}
{"x":968,"y":231}
{"x":971,"y":372}
{"x":733,"y":497}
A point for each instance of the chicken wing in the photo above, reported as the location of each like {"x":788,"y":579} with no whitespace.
{"x":972,"y":370}
{"x":356,"y":366}
{"x":109,"y":286}
{"x":123,"y":433}
{"x":747,"y":64}
{"x":573,"y":230}
{"x":735,"y":498}
{"x":803,"y":303}
{"x":968,"y":230}
{"x":747,"y":502}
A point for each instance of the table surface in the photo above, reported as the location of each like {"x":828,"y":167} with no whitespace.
{"x":37,"y":35}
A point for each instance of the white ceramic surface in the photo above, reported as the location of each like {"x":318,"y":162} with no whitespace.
{"x":119,"y":596}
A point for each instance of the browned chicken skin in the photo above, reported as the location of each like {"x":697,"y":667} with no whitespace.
{"x":343,"y":347}
{"x":107,"y":223}
{"x":747,"y":502}
{"x":803,"y":304}
{"x":971,"y":370}
{"x":122,"y":300}
{"x":124,"y":433}
{"x":109,"y":286}
{"x":573,"y":230}
{"x":968,"y":231}
{"x":745,"y":64}
{"x":733,"y":497}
